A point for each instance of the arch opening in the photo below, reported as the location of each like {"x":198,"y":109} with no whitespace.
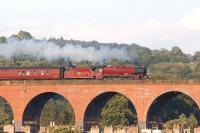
{"x":102,"y":106}
{"x":170,"y":106}
{"x":48,"y":107}
{"x":6,"y":113}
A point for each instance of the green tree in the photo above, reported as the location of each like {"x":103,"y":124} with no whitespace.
{"x":24,"y":35}
{"x":176,"y":55}
{"x":170,"y":71}
{"x":118,"y":112}
{"x":84,"y":64}
{"x":115,"y":62}
{"x":4,"y":119}
{"x":180,"y":104}
{"x":160,"y":56}
{"x":6,"y":107}
{"x":3,"y":39}
{"x":196,"y":56}
{"x":145,"y":57}
{"x":185,"y":72}
{"x":192,"y":121}
{"x":183,"y":122}
{"x":57,"y":110}
{"x":196,"y":71}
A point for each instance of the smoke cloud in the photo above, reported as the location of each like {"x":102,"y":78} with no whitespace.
{"x":52,"y":51}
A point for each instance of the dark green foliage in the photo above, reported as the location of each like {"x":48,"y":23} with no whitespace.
{"x":6,"y":115}
{"x":197,"y":68}
{"x":145,"y":57}
{"x":3,"y":39}
{"x":181,"y":104}
{"x":24,"y":35}
{"x":196,"y":72}
{"x":57,"y":110}
{"x":6,"y":108}
{"x":196,"y":56}
{"x":84,"y":64}
{"x":170,"y":71}
{"x":162,"y":55}
{"x":4,"y":119}
{"x":118,"y":111}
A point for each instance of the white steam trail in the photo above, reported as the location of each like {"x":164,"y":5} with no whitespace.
{"x":51,"y":51}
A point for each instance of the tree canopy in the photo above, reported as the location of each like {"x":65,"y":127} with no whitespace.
{"x":57,"y":110}
{"x":118,"y":111}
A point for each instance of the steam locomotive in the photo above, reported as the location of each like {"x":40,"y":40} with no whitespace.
{"x":96,"y":73}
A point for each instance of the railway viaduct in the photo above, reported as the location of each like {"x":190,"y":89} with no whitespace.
{"x":26,"y":98}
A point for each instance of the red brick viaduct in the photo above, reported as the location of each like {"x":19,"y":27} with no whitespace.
{"x":26,"y":98}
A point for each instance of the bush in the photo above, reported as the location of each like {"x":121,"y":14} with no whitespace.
{"x":65,"y":129}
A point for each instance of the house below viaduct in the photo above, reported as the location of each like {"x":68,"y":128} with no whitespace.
{"x":26,"y":98}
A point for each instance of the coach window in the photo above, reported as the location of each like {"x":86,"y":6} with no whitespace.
{"x":34,"y":72}
{"x":42,"y":72}
{"x":19,"y":73}
{"x":28,"y":73}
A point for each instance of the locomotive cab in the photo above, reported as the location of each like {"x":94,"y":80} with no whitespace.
{"x":140,"y":71}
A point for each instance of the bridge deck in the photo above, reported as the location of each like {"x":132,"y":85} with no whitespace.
{"x":96,"y":82}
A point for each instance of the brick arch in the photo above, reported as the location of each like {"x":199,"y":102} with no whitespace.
{"x":41,"y":96}
{"x":99,"y":96}
{"x":107,"y":91}
{"x":167,"y":92}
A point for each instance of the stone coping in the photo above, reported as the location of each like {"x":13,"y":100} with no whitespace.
{"x":99,"y":82}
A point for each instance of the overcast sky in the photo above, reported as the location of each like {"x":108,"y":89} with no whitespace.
{"x":152,"y":23}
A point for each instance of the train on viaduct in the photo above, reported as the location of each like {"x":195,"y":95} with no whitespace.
{"x":27,"y":97}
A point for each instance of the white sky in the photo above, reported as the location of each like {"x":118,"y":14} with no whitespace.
{"x":152,"y":23}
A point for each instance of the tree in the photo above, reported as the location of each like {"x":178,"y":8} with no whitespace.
{"x":160,"y":56}
{"x":118,"y":112}
{"x":115,"y":62}
{"x":178,"y":56}
{"x":24,"y":35}
{"x":192,"y":121}
{"x":6,"y":107}
{"x":176,"y":51}
{"x":183,"y":122}
{"x":4,"y":119}
{"x":3,"y":39}
{"x":57,"y":110}
{"x":196,"y":56}
{"x":185,"y":72}
{"x":145,"y":57}
{"x":170,"y":71}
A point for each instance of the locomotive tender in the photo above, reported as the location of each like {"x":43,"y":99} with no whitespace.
{"x":98,"y":73}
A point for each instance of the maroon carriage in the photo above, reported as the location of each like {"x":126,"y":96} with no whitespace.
{"x":31,"y":73}
{"x":79,"y":73}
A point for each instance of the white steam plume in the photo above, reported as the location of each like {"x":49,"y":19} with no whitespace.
{"x":51,"y":51}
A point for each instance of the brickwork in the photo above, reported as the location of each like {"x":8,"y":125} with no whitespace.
{"x":197,"y":130}
{"x":81,"y":93}
{"x":167,"y":131}
{"x":132,"y":130}
{"x":94,"y":130}
{"x":108,"y":130}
